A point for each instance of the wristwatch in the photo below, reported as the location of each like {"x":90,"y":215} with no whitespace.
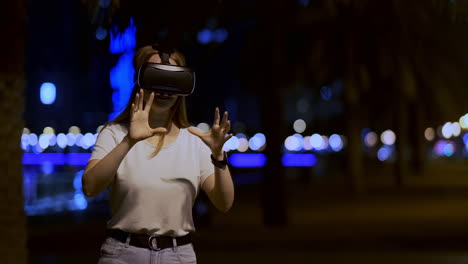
{"x":219,"y":163}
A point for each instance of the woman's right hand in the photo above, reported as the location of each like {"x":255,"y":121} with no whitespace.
{"x":139,"y":126}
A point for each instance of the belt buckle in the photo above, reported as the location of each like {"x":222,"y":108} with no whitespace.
{"x":153,"y":243}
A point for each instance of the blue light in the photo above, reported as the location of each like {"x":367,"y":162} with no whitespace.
{"x":56,"y":158}
{"x":77,"y":184}
{"x":121,"y":80}
{"x":48,"y":93}
{"x":77,"y":158}
{"x":33,"y":139}
{"x":204,"y":36}
{"x":47,"y":167}
{"x":449,"y":149}
{"x":62,"y":140}
{"x":101,"y":33}
{"x":299,"y":160}
{"x":326,"y":93}
{"x":125,"y":41}
{"x":304,"y":3}
{"x":335,"y":142}
{"x":384,"y":153}
{"x":232,"y":143}
{"x":80,"y":201}
{"x":39,"y":159}
{"x":247,"y":160}
{"x":220,"y":35}
{"x":465,"y":139}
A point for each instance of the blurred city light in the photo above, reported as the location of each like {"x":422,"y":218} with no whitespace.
{"x":464,"y":121}
{"x":298,"y":160}
{"x":74,"y":130}
{"x":101,"y":33}
{"x":220,"y":35}
{"x":371,"y":139}
{"x":71,"y":139}
{"x":316,"y":141}
{"x":121,"y":42}
{"x":326,"y":93}
{"x":307,"y":145}
{"x":204,"y":36}
{"x":388,"y":137}
{"x":257,"y":141}
{"x":293,"y":143}
{"x":48,"y":93}
{"x":429,"y":134}
{"x":456,"y":129}
{"x":33,"y":139}
{"x":204,"y":127}
{"x":447,"y":130}
{"x":44,"y":141}
{"x":384,"y":153}
{"x":336,"y":143}
{"x":232,"y":143}
{"x":62,"y":140}
{"x":243,"y":145}
{"x":299,"y":126}
{"x":247,"y":160}
{"x":48,"y":130}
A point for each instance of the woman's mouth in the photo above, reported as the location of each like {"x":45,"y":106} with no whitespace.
{"x":164,"y":96}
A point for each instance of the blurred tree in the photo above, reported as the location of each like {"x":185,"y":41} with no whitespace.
{"x":12,"y":81}
{"x":403,"y":64}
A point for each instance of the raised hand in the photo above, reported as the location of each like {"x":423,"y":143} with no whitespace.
{"x":216,"y":137}
{"x":139,"y":126}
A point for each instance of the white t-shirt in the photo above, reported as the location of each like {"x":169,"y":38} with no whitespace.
{"x":155,"y":196}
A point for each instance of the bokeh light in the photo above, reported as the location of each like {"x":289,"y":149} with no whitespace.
{"x":74,"y":130}
{"x":429,"y":134}
{"x":204,"y":127}
{"x":243,"y":145}
{"x":370,"y":139}
{"x":336,"y":143}
{"x":299,"y":126}
{"x":316,"y":141}
{"x":62,"y":140}
{"x":388,"y":137}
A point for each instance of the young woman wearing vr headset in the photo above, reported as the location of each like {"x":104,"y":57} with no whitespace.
{"x":155,"y":164}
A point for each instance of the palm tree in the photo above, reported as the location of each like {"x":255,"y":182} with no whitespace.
{"x":12,"y":82}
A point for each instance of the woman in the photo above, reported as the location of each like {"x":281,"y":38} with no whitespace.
{"x":155,"y":165}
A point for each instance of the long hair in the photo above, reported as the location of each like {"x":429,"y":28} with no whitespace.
{"x":178,"y":112}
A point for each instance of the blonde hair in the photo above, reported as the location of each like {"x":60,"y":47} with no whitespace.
{"x":178,"y":112}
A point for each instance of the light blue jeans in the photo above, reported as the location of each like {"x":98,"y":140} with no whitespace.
{"x":115,"y":252}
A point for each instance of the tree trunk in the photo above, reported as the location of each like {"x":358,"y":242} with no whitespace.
{"x":13,"y":220}
{"x":273,"y":197}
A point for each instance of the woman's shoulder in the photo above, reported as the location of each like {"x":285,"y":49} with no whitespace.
{"x":115,"y":128}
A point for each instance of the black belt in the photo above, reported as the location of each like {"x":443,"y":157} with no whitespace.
{"x":153,"y":242}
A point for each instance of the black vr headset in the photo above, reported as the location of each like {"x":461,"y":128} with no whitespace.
{"x":165,"y":78}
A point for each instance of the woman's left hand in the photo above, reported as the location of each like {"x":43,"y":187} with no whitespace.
{"x":216,"y":137}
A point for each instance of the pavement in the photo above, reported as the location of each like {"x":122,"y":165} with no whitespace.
{"x":326,"y":224}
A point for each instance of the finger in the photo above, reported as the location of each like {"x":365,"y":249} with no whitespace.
{"x":137,"y":101}
{"x":195,"y":131}
{"x":149,"y":103}
{"x":227,"y":126}
{"x":228,"y":137}
{"x":216,"y":117}
{"x":225,"y":118}
{"x":142,"y":96}
{"x":133,"y":107}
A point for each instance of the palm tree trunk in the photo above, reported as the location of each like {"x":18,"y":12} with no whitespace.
{"x":13,"y":220}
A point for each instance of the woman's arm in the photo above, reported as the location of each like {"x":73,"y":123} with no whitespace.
{"x":220,"y":188}
{"x":100,"y":173}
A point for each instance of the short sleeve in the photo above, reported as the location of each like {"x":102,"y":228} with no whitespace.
{"x":105,"y":142}
{"x":206,"y":167}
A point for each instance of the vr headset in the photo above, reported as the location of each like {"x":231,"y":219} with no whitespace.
{"x":165,"y":78}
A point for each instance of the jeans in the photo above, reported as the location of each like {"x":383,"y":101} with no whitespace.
{"x":115,"y":252}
